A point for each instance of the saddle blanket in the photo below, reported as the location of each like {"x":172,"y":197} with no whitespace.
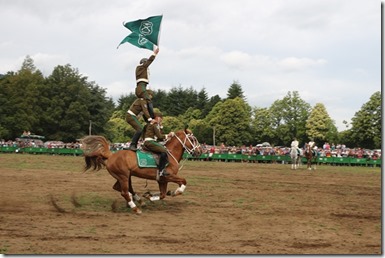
{"x":147,"y":159}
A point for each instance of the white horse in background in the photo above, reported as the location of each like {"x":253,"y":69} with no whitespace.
{"x":300,"y":156}
{"x":295,"y":158}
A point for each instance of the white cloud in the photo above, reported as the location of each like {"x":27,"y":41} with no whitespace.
{"x":328,"y":50}
{"x":294,"y":63}
{"x":237,"y":59}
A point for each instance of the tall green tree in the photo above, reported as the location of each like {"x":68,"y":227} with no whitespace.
{"x":289,"y":117}
{"x":235,"y":91}
{"x":320,"y":126}
{"x":212,"y":102}
{"x":160,"y":100}
{"x":20,"y":101}
{"x":179,"y":100}
{"x":202,"y":103}
{"x":172,"y":124}
{"x":262,"y":126}
{"x":68,"y":116}
{"x":231,"y":120}
{"x":118,"y":130}
{"x":202,"y":130}
{"x":366,"y":123}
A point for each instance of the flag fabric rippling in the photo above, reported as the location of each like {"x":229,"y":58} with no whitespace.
{"x":145,"y":33}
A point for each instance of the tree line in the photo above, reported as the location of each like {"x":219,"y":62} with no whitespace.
{"x":66,"y":106}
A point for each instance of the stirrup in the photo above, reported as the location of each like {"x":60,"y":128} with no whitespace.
{"x":163,"y":173}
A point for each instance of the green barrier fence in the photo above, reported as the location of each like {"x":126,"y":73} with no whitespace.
{"x":9,"y":149}
{"x":42,"y":150}
{"x":225,"y":157}
{"x":284,"y":159}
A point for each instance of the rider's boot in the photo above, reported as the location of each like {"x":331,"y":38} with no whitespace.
{"x":134,"y":141}
{"x":150,"y":109}
{"x":162,"y":164}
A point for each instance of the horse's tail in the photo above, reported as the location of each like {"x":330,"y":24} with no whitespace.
{"x":96,"y":150}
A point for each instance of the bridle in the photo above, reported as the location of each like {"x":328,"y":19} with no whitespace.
{"x":190,"y":138}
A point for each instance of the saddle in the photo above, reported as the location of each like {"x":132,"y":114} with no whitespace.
{"x":147,"y":159}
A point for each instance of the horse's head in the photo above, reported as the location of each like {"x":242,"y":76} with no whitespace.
{"x":189,"y":142}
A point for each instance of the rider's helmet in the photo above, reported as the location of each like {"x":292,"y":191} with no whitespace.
{"x":143,"y":60}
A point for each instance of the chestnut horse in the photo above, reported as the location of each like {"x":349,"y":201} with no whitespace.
{"x":123,"y":164}
{"x":310,"y":157}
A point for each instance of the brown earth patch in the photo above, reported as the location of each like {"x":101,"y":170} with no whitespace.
{"x":227,"y":208}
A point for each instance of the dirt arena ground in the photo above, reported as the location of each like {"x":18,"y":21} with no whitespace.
{"x":48,"y":206}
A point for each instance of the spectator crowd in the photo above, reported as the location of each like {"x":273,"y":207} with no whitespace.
{"x":327,"y":150}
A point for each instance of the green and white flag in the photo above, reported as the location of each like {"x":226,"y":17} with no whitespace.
{"x":144,"y":29}
{"x":138,"y":40}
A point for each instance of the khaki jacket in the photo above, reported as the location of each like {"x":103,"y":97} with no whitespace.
{"x":141,"y":71}
{"x":140,"y":107}
{"x":151,"y":131}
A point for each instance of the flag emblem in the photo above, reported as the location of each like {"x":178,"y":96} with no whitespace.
{"x":145,"y":32}
{"x":142,"y":40}
{"x":146,"y":28}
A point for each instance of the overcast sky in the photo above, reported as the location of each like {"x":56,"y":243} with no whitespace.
{"x":327,"y":50}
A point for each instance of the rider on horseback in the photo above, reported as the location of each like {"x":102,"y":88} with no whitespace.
{"x":295,"y":144}
{"x":312,"y":146}
{"x":151,"y":134}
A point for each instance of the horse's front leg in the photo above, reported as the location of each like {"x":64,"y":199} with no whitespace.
{"x":179,"y":190}
{"x":181,"y":186}
{"x":175,"y":179}
{"x":315,"y":164}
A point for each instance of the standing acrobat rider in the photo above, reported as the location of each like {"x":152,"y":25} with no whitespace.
{"x":151,"y":134}
{"x":142,"y":79}
{"x":138,"y":108}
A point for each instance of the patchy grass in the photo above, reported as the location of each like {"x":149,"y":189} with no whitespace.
{"x":49,"y":206}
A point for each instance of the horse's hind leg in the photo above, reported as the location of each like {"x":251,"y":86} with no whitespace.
{"x":136,"y":197}
{"x":128,"y":196}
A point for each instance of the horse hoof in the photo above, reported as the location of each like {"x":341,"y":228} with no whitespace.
{"x":177,"y":193}
{"x":137,"y":210}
